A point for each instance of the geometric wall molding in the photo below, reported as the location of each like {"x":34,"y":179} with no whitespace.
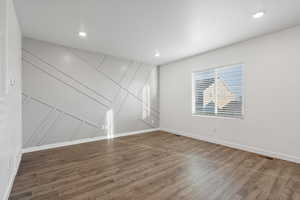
{"x":68,"y":93}
{"x":45,"y":117}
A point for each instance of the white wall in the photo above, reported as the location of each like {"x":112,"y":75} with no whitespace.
{"x":272,"y":84}
{"x":10,"y":104}
{"x":68,"y":92}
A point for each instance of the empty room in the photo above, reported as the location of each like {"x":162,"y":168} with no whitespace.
{"x":149,"y":100}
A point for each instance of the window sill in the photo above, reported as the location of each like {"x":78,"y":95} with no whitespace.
{"x":218,"y":117}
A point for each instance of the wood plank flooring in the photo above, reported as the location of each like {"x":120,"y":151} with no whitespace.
{"x":154,"y":166}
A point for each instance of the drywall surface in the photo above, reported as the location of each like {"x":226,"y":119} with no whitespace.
{"x":10,"y":100}
{"x":271,"y":95}
{"x":70,"y":94}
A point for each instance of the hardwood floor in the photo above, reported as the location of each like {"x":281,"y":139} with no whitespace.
{"x":154,"y":166}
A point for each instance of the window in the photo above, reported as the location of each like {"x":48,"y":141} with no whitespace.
{"x":218,"y":92}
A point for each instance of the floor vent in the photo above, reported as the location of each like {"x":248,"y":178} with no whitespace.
{"x":267,"y":157}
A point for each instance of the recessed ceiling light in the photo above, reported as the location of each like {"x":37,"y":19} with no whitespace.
{"x":82,"y":34}
{"x":258,"y":15}
{"x":157,"y":54}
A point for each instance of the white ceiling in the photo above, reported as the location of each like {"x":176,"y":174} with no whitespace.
{"x":135,"y":29}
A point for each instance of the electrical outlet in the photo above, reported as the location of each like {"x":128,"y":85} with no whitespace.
{"x":12,"y":82}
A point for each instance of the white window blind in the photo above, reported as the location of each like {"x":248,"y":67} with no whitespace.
{"x":218,"y":92}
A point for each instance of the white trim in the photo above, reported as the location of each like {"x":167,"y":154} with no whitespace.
{"x":196,"y":69}
{"x":252,"y":149}
{"x":13,"y":175}
{"x":218,"y":117}
{"x":136,"y":132}
{"x":62,"y":144}
{"x":85,"y":140}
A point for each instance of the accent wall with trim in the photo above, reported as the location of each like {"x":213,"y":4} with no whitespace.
{"x":71,"y":94}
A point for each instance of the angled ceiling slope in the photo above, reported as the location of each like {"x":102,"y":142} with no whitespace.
{"x":137,"y":29}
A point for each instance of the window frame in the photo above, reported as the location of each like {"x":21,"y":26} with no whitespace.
{"x":194,"y":114}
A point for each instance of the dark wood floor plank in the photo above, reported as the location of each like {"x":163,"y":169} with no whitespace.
{"x":153,"y":166}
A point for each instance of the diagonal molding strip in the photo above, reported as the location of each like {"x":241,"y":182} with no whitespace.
{"x":36,"y":131}
{"x":65,"y":74}
{"x":44,"y":139}
{"x":68,"y":113}
{"x":98,"y":70}
{"x":123,"y":86}
{"x":76,"y":89}
{"x":115,"y":82}
{"x":149,"y":124}
{"x":67,"y":84}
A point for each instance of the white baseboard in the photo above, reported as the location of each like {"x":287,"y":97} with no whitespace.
{"x":85,"y":140}
{"x":236,"y":146}
{"x":13,"y":175}
{"x":136,"y":132}
{"x":62,"y":144}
